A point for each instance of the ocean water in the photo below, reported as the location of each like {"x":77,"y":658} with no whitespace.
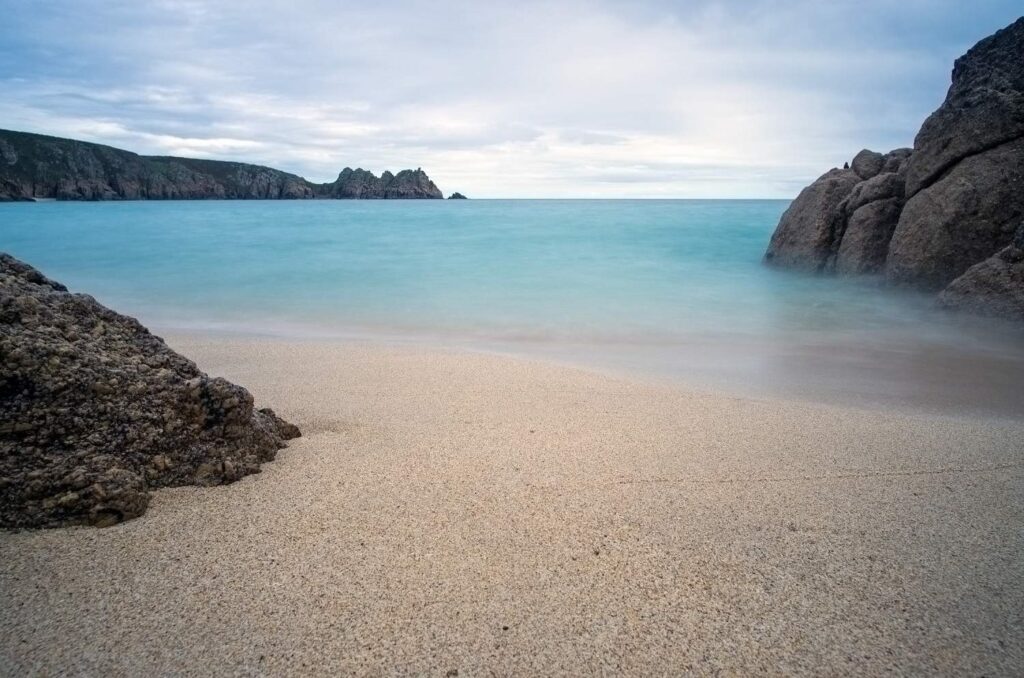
{"x":672,"y":289}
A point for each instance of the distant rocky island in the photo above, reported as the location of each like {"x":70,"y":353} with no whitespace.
{"x":946,"y":216}
{"x":35,"y":166}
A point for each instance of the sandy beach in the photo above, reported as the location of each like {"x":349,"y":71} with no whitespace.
{"x":455,"y":513}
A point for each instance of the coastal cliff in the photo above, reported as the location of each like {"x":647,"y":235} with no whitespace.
{"x":946,"y":216}
{"x":34,"y":166}
{"x":361,"y":184}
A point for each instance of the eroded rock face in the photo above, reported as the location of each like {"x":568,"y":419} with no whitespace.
{"x":806,"y":233}
{"x":360,"y":183}
{"x":983,"y":108}
{"x":993,"y":287}
{"x":95,"y":411}
{"x":923,"y":217}
{"x":960,"y":220}
{"x":411,"y":184}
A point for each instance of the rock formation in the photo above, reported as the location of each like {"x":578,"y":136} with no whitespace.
{"x":457,"y":196}
{"x":993,"y":287}
{"x":940,"y":216}
{"x":95,"y":411}
{"x":806,"y":234}
{"x":359,"y":183}
{"x":34,"y":166}
{"x":969,"y":213}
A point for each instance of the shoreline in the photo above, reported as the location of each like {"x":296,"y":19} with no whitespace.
{"x":986,"y":385}
{"x":461,"y":511}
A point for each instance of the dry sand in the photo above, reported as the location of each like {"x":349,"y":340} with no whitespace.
{"x":464,"y":512}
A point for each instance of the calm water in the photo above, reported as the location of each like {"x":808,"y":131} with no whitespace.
{"x":674,"y":289}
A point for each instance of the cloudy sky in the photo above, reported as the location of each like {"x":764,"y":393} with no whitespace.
{"x":743,"y":98}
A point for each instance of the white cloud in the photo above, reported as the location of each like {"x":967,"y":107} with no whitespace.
{"x":516,"y":99}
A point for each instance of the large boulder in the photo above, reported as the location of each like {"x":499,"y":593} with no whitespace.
{"x":960,"y":220}
{"x":865,"y":242}
{"x":867,"y":163}
{"x":983,"y":108}
{"x":95,"y":411}
{"x":872,"y":211}
{"x":805,"y":237}
{"x":993,"y":287}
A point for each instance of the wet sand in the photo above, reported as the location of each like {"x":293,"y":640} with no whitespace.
{"x":452,"y":511}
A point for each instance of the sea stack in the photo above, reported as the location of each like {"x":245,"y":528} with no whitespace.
{"x":95,"y":411}
{"x":941,"y":217}
{"x":361,"y":184}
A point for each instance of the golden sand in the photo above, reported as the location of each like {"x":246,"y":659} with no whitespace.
{"x":463,"y":512}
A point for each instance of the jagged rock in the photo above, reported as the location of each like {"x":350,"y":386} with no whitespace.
{"x":36,"y":166}
{"x":928,"y":214}
{"x":960,"y":220}
{"x":983,"y":108}
{"x":356,"y":183}
{"x":410,"y":184}
{"x":867,"y":163}
{"x":993,"y":287}
{"x":457,"y":196}
{"x":95,"y":411}
{"x":359,"y":183}
{"x":805,"y":235}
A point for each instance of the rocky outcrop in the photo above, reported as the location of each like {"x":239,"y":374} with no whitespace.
{"x":95,"y":411}
{"x":993,"y":287}
{"x":361,"y":184}
{"x":354,"y":183}
{"x":966,"y":216}
{"x":34,"y":166}
{"x":457,"y":196}
{"x":926,"y":216}
{"x":871,"y":213}
{"x":984,"y":108}
{"x":806,"y":233}
{"x":856,"y":206}
{"x":410,"y":184}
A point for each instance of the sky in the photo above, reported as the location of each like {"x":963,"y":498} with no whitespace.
{"x":639,"y":99}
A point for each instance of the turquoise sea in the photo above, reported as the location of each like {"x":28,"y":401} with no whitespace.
{"x":673,"y":289}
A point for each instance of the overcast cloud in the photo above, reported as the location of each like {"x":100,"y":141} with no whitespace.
{"x":518,"y":99}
